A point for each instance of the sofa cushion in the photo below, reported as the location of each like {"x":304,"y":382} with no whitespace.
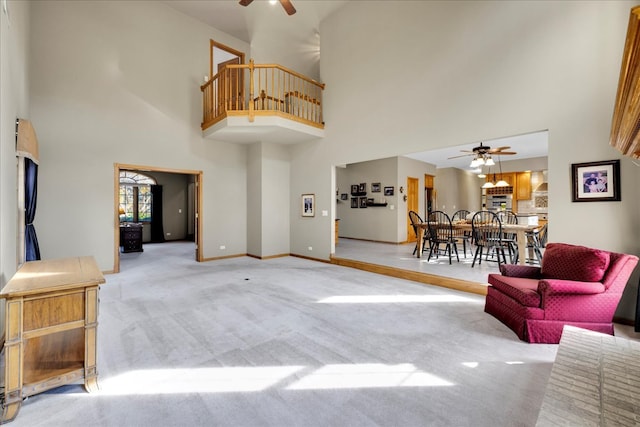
{"x":521,"y":289}
{"x":572,"y":262}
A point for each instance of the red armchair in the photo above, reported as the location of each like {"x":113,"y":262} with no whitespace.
{"x":574,"y":285}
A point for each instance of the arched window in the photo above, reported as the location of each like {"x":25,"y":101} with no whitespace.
{"x":135,"y":197}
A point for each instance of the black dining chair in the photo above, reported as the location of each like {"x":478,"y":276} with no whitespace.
{"x":441,"y":233}
{"x":463,"y":236}
{"x":415,"y":219}
{"x":487,"y":235}
{"x":508,"y":217}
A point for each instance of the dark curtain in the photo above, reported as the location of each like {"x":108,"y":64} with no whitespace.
{"x":157,"y":231}
{"x":30,"y":199}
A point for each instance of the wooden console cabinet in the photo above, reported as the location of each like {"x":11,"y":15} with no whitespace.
{"x":51,"y":321}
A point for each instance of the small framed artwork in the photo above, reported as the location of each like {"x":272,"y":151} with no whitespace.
{"x":362,"y":188}
{"x":596,"y":181}
{"x":308,"y":205}
{"x":375,"y":187}
{"x":363,"y":202}
{"x":354,"y":189}
{"x":354,"y":202}
{"x":344,"y":196}
{"x":388,"y":191}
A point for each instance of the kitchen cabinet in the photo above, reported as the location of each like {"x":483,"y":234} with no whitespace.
{"x":523,"y":186}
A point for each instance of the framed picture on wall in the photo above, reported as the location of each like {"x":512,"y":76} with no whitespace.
{"x":362,"y":188}
{"x":354,"y":189}
{"x":308,"y":204}
{"x":596,"y":181}
{"x":375,"y":187}
{"x":388,"y":191}
{"x":363,"y":202}
{"x":344,"y":196}
{"x":354,"y":202}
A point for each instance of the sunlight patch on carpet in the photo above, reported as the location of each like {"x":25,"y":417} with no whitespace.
{"x":367,"y":375}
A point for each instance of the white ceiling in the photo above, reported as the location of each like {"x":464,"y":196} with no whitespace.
{"x":260,"y":19}
{"x":246,"y":23}
{"x":526,"y":146}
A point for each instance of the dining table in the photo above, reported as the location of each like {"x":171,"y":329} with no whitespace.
{"x":521,"y":231}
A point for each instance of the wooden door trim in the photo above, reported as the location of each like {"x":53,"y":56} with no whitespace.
{"x":410,"y":236}
{"x":212,"y":44}
{"x":117,"y":167}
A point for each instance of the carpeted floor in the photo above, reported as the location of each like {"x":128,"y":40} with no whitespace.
{"x":292,"y":342}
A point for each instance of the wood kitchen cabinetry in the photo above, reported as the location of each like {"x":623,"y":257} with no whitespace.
{"x":523,"y":186}
{"x":51,"y":326}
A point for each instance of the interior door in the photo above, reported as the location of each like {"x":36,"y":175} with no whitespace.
{"x":231,"y":86}
{"x":412,"y":205}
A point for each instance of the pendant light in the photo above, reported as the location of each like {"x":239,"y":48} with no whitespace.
{"x":502,"y":182}
{"x":489,"y":184}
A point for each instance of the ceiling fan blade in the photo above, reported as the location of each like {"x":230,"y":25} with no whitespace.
{"x":245,"y":2}
{"x":500,"y":153}
{"x":288,"y":7}
{"x":506,"y":147}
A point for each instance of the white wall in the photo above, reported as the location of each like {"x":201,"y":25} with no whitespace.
{"x":268,"y":200}
{"x":118,"y":82}
{"x":275,"y":200}
{"x":432,"y":74}
{"x":14,"y":103}
{"x":371,"y":223}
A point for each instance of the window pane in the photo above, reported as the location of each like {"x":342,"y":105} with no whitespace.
{"x":126,"y":202}
{"x":144,"y":203}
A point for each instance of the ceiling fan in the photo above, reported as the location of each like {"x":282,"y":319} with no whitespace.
{"x":484,"y":150}
{"x":286,"y":4}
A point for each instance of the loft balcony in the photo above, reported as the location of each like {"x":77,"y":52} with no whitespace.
{"x":247,"y":103}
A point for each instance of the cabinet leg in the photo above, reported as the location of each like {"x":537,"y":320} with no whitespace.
{"x":91,"y":384}
{"x":10,"y":411}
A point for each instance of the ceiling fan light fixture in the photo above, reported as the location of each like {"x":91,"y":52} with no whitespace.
{"x":489,"y":161}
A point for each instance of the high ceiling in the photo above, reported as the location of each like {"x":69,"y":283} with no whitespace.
{"x":526,"y":146}
{"x":248,"y":23}
{"x":261,"y":20}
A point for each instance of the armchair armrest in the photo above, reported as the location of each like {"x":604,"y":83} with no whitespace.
{"x":557,"y":286}
{"x":517,"y":270}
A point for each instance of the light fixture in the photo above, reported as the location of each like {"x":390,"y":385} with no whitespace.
{"x":502,"y":182}
{"x":489,"y":161}
{"x":489,"y":184}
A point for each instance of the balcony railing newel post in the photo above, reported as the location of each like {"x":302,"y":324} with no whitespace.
{"x":251,"y":90}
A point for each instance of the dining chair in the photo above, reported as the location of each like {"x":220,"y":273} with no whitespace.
{"x":463,"y":236}
{"x":536,"y":241}
{"x":415,"y":219}
{"x":508,"y":217}
{"x":441,"y":233}
{"x":487,"y":234}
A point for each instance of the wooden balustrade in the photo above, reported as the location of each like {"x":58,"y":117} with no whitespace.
{"x":261,"y":90}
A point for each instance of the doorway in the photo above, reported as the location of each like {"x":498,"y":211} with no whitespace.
{"x":429,"y":195}
{"x":192,"y":193}
{"x":230,"y":84}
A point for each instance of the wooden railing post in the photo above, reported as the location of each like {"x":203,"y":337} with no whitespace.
{"x":251,"y":89}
